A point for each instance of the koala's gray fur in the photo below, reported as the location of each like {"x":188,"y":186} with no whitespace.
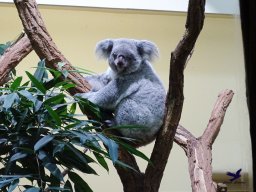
{"x":130,"y":87}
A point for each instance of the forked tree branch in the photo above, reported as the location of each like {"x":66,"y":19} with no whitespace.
{"x":43,"y":44}
{"x":198,"y":150}
{"x":13,"y":55}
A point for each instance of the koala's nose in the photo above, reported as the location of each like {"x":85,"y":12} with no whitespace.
{"x":121,"y":57}
{"x":120,"y":60}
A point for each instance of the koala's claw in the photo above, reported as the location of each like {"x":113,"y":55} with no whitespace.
{"x":108,"y":123}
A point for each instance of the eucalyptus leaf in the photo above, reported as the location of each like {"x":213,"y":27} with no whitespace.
{"x":28,"y":95}
{"x":40,"y":72}
{"x":68,"y":186}
{"x":18,"y":156}
{"x":16,"y":83}
{"x":43,"y":141}
{"x":54,"y":115}
{"x":33,"y":189}
{"x":79,"y":184}
{"x":10,"y":100}
{"x":49,"y":165}
{"x":13,"y":185}
{"x":36,"y":83}
{"x":112,"y":147}
{"x":101,"y":160}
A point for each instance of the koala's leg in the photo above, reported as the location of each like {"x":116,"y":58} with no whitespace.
{"x":130,"y":112}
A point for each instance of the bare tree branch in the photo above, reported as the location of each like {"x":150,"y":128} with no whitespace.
{"x":43,"y":44}
{"x":182,"y":137}
{"x":217,"y":117}
{"x":199,"y":150}
{"x":13,"y":55}
{"x":174,"y":104}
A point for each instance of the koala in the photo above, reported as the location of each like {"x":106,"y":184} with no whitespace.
{"x":130,"y":88}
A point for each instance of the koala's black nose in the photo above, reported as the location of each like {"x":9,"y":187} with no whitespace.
{"x":121,"y":57}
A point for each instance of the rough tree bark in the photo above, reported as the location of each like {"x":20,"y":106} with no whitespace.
{"x":132,"y":181}
{"x":13,"y":55}
{"x":199,"y":150}
{"x":43,"y":44}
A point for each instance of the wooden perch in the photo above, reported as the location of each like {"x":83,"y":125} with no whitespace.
{"x":13,"y":55}
{"x":199,"y":150}
{"x":43,"y":44}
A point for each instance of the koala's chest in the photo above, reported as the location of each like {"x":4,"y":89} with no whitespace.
{"x":134,"y":88}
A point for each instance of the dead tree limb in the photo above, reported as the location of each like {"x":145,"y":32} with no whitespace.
{"x":13,"y":55}
{"x":199,"y":150}
{"x":43,"y":44}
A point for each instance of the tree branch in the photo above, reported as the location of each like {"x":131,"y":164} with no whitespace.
{"x":217,"y":117}
{"x":174,"y":104}
{"x":182,"y":137}
{"x":198,"y":150}
{"x":13,"y":55}
{"x":43,"y":44}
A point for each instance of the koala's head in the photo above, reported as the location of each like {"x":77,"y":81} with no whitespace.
{"x":126,"y":55}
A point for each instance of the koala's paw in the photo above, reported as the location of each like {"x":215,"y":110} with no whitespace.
{"x":83,"y":95}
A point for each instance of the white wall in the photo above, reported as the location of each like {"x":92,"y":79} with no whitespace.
{"x":212,"y":6}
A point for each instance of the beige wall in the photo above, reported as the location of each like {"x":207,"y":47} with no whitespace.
{"x":217,"y":64}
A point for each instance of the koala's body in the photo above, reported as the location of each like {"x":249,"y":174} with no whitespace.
{"x":130,"y":87}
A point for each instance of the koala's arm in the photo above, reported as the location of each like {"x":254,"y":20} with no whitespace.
{"x":110,"y":95}
{"x":98,"y":81}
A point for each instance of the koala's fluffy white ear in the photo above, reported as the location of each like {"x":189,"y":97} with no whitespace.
{"x":103,"y":48}
{"x":147,"y":50}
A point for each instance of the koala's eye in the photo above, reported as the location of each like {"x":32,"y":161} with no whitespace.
{"x":114,"y":55}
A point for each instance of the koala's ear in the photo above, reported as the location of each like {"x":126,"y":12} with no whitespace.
{"x":103,"y":48}
{"x":147,"y":50}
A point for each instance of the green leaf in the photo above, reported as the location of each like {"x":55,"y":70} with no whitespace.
{"x":9,"y":100}
{"x":90,"y":108}
{"x":16,"y":83}
{"x":36,"y":83}
{"x":40,"y":72}
{"x":101,"y":160}
{"x":111,"y":145}
{"x":134,"y":151}
{"x":4,"y":182}
{"x":33,"y":189}
{"x":55,"y":99}
{"x":124,"y":165}
{"x":72,"y":109}
{"x":77,"y":153}
{"x":57,"y":189}
{"x":27,"y":95}
{"x":3,"y":47}
{"x":43,"y":141}
{"x":68,"y":186}
{"x":79,"y":184}
{"x":54,"y":115}
{"x":49,"y":165}
{"x":13,"y":185}
{"x":18,"y":156}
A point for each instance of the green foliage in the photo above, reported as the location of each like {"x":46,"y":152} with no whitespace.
{"x":44,"y":141}
{"x":3,"y":47}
